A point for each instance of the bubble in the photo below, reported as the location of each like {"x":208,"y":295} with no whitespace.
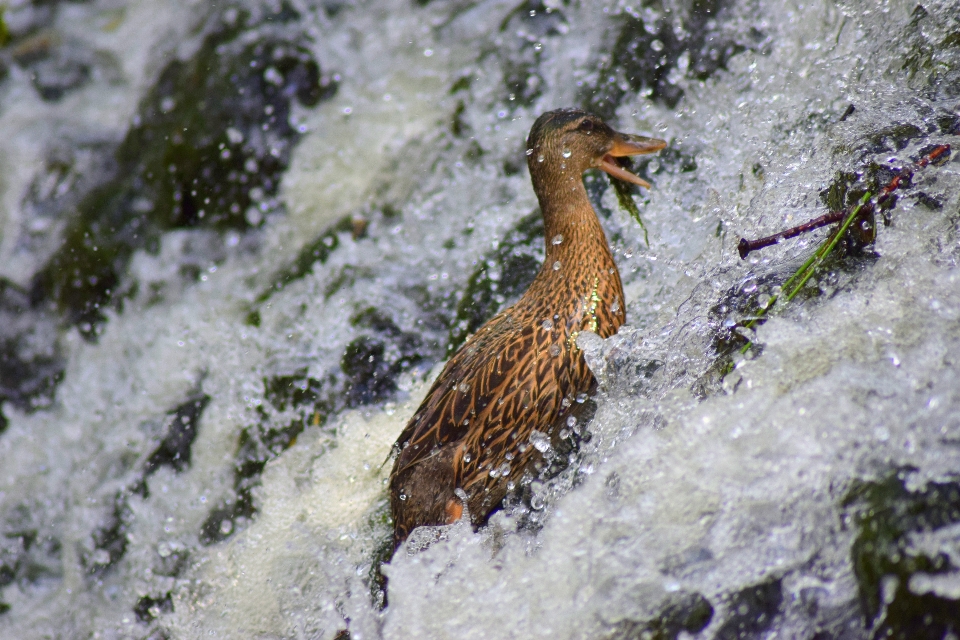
{"x":540,"y":441}
{"x":556,"y":265}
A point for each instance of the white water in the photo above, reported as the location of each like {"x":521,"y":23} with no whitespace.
{"x":673,"y":493}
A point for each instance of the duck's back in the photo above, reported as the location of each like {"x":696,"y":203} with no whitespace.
{"x":500,"y":400}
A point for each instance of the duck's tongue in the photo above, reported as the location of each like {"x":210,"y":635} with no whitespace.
{"x":629,"y":145}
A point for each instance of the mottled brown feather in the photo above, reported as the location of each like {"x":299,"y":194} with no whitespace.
{"x":511,"y":378}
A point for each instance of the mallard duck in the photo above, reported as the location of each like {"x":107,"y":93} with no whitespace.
{"x":504,"y":396}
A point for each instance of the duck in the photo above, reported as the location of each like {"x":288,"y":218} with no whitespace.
{"x":501,"y":400}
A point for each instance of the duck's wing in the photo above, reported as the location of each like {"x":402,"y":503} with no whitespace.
{"x":496,"y":364}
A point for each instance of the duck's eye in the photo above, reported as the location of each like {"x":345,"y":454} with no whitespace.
{"x":586,"y":126}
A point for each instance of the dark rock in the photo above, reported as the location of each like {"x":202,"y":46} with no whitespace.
{"x":149,"y":608}
{"x":31,"y":363}
{"x":500,"y":278}
{"x":174,"y":450}
{"x":206,"y":150}
{"x":690,"y":41}
{"x":885,"y":514}
{"x":751,"y":611}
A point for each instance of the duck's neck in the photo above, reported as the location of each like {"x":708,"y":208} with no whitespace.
{"x":570,"y":224}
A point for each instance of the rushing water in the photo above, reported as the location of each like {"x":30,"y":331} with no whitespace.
{"x":236,"y":240}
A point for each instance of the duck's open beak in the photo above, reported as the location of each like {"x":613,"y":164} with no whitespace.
{"x":626,"y":144}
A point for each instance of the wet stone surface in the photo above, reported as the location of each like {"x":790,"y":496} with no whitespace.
{"x":892,"y":564}
{"x":206,"y":150}
{"x":656,"y":48}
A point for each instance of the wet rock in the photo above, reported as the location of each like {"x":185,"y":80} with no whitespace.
{"x":206,"y":150}
{"x":891,"y":570}
{"x":686,"y":613}
{"x":258,"y":444}
{"x":751,"y":611}
{"x":654,"y":51}
{"x":174,"y":450}
{"x":150,"y":608}
{"x":500,"y":278}
{"x":61,"y":70}
{"x":109,"y":540}
{"x":31,"y":362}
{"x":28,"y":553}
{"x":523,"y":33}
{"x":373,"y":363}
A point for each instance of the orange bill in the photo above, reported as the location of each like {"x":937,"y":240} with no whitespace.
{"x":629,"y":145}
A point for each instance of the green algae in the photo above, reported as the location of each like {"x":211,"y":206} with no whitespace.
{"x":499,"y":278}
{"x":885,"y":514}
{"x":206,"y":150}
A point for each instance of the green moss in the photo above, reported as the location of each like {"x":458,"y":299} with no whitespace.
{"x":462,"y":84}
{"x":317,"y":252}
{"x":645,"y":56}
{"x":500,"y":277}
{"x":207,"y":149}
{"x":4,"y":36}
{"x":884,"y":514}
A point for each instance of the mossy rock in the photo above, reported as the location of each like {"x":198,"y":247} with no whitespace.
{"x":207,"y":149}
{"x":885,"y":514}
{"x":500,"y":277}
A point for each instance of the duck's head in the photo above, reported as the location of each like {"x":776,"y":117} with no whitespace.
{"x":564,"y":143}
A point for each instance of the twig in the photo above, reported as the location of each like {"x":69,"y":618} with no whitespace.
{"x":801,"y":276}
{"x":745,"y":247}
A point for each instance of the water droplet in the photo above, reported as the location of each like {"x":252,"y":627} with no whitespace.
{"x":572,"y":420}
{"x":540,"y":158}
{"x":540,"y":441}
{"x":226,"y":526}
{"x":403,"y":496}
{"x":615,"y":306}
{"x":508,"y":455}
{"x":529,"y":152}
{"x":536,"y":502}
{"x":656,"y":45}
{"x":556,"y":266}
{"x":582,"y":397}
{"x":554,"y":350}
{"x":564,"y":433}
{"x":567,"y":153}
{"x":546,"y":325}
{"x":557,"y":239}
{"x":467,"y":457}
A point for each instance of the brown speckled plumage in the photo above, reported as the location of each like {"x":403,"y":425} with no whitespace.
{"x":522,"y":371}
